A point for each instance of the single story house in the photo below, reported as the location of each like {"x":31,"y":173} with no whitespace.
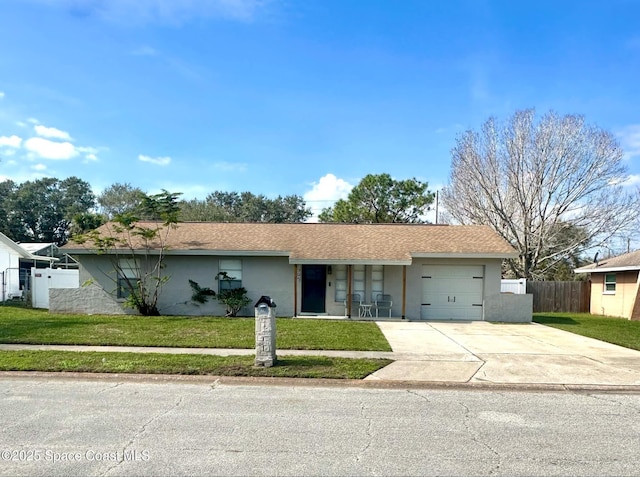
{"x":439,"y":272}
{"x":50,"y":249}
{"x":615,"y":286}
{"x":15,"y":265}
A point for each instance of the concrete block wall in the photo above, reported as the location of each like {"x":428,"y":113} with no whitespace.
{"x":508,"y":308}
{"x":90,"y":300}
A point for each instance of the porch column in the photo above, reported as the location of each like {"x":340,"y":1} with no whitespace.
{"x":404,"y":290}
{"x":295,"y":290}
{"x":349,"y":289}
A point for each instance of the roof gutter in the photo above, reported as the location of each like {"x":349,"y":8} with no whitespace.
{"x":463,"y":255}
{"x":630,"y":268}
{"x":346,"y":261}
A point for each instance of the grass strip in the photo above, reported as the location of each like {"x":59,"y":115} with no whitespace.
{"x":192,"y":364}
{"x":29,"y":326}
{"x":618,"y":331}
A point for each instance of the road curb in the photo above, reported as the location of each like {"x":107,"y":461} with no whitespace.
{"x":319,"y":382}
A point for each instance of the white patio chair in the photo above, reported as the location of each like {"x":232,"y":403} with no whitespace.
{"x":356,"y":301}
{"x":383,"y":302}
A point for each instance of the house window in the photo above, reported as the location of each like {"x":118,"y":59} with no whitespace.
{"x":377,"y":281}
{"x":359,"y":281}
{"x":610,"y":283}
{"x":128,"y":276}
{"x":230,"y":274}
{"x":341,"y":282}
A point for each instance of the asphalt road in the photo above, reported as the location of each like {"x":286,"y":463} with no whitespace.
{"x":111,"y":427}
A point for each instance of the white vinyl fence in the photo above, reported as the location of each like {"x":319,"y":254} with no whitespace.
{"x":517,"y":287}
{"x":42,"y":279}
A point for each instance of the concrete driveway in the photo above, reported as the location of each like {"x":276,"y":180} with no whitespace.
{"x":482,"y":352}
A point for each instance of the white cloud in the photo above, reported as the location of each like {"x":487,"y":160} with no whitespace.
{"x":46,"y":149}
{"x":144,"y":51}
{"x":90,"y":153}
{"x":162,"y":11}
{"x":10,"y":141}
{"x":39,"y":167}
{"x":1,"y":94}
{"x":325,"y":193}
{"x":49,"y":143}
{"x":630,"y":140}
{"x":159,"y":161}
{"x":231,"y":166}
{"x":53,"y":133}
{"x":632,"y":180}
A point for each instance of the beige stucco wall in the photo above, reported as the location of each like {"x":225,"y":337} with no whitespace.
{"x":619,"y":304}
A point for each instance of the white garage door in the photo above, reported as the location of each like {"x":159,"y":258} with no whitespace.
{"x":452,"y":292}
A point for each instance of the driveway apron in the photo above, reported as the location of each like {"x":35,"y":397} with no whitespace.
{"x":484,"y":352}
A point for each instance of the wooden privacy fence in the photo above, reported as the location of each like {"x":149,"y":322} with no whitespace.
{"x":572,"y":297}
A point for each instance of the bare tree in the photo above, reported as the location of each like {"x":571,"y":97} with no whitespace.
{"x":550,"y":187}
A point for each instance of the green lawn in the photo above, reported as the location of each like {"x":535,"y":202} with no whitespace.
{"x":156,"y":363}
{"x":613,"y":330}
{"x":29,"y":326}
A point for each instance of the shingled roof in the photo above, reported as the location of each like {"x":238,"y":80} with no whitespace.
{"x":332,"y":243}
{"x":627,"y":261}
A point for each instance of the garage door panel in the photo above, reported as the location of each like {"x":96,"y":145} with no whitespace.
{"x":453,"y":271}
{"x":452,"y":292}
{"x":430,"y":312}
{"x":452,"y":288}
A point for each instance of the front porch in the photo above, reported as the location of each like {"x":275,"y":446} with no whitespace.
{"x":364,"y":291}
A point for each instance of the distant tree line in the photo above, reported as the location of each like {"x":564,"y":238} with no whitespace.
{"x":52,"y":210}
{"x":43,"y":210}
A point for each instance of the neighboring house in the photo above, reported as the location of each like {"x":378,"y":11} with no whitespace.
{"x":429,"y":271}
{"x":615,"y":285}
{"x":15,"y":263}
{"x":43,"y":249}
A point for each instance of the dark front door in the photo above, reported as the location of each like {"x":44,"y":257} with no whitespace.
{"x":314,"y":278}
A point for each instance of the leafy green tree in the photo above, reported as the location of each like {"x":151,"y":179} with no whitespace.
{"x":7,"y":190}
{"x":43,"y":210}
{"x":132,"y":244}
{"x":382,"y":199}
{"x":244,"y":207}
{"x":119,"y":198}
{"x":85,"y":222}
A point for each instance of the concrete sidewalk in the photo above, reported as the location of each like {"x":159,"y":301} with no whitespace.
{"x":482,"y":352}
{"x":458,"y":353}
{"x":209,"y":351}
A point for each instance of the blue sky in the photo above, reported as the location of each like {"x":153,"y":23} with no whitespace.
{"x":296,"y":97}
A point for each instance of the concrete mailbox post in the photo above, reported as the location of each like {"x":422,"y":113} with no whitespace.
{"x":265,"y":310}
